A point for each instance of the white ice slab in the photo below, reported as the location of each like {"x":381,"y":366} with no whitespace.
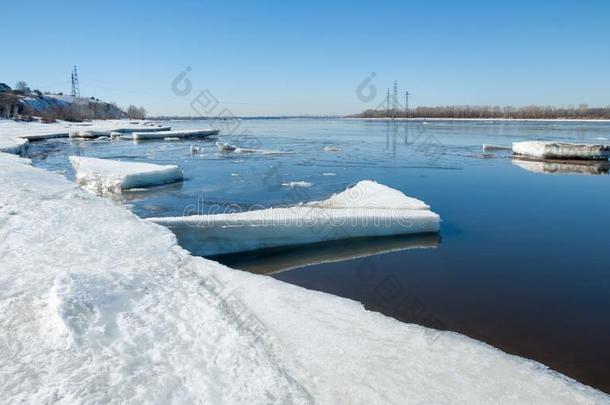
{"x":89,"y":134}
{"x":199,"y":133}
{"x":104,"y":176}
{"x":13,"y":145}
{"x":559,"y":150}
{"x":367,"y":209}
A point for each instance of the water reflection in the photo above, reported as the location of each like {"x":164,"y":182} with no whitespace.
{"x":593,"y":167}
{"x":275,"y":260}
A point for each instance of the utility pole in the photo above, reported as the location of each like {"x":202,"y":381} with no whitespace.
{"x":75,"y":86}
{"x":406,"y":103}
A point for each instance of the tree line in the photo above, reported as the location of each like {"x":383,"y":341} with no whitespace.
{"x":582,"y":111}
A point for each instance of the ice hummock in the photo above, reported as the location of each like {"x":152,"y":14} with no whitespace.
{"x":367,"y":209}
{"x":560,"y":150}
{"x":104,"y":176}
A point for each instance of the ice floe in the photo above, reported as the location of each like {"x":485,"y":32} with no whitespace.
{"x":560,"y":150}
{"x":366,"y":209}
{"x":197,"y":133}
{"x":104,"y":176}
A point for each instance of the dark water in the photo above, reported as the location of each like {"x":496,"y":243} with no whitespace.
{"x":523,"y":258}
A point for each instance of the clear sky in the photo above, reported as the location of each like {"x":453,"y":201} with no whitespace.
{"x":282,"y":57}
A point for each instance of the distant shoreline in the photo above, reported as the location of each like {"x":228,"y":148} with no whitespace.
{"x":481,"y":119}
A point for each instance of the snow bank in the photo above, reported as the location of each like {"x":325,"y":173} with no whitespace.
{"x":558,"y":150}
{"x":13,"y":145}
{"x":98,"y":306}
{"x":199,"y":133}
{"x":366,"y":210}
{"x":104,"y":176}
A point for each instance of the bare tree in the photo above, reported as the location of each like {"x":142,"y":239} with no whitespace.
{"x":21,"y":86}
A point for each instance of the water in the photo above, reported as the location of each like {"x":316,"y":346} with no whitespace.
{"x":522,"y":259}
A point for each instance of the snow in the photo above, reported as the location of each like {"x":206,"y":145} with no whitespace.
{"x":199,"y":133}
{"x":13,"y":145}
{"x":104,"y":176}
{"x":99,"y":306}
{"x":558,"y":150}
{"x":366,"y":210}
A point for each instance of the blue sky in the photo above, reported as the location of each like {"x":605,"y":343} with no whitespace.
{"x":273,"y":57}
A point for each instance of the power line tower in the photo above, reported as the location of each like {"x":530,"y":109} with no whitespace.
{"x":75,"y":86}
{"x":395,"y":98}
{"x":406,"y":103}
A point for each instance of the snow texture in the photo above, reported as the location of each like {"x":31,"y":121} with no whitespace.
{"x":558,"y":150}
{"x":366,"y":210}
{"x":104,"y":176}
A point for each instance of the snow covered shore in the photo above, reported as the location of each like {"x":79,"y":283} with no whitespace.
{"x":99,"y":306}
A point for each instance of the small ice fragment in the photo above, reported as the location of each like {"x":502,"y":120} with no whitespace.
{"x":496,"y":147}
{"x":331,"y":149}
{"x":225,"y":147}
{"x":194,"y":149}
{"x":601,"y":138}
{"x":301,"y":184}
{"x":329,"y":174}
{"x":171,"y":138}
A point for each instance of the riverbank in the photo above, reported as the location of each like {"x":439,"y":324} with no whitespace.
{"x":100,"y":305}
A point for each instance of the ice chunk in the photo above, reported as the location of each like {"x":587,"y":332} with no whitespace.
{"x":90,"y":134}
{"x":294,"y":184}
{"x":495,"y":147}
{"x":13,"y":145}
{"x":225,"y":147}
{"x":367,"y":209}
{"x":558,"y":150}
{"x":103,"y":176}
{"x":331,"y":149}
{"x":198,"y":133}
